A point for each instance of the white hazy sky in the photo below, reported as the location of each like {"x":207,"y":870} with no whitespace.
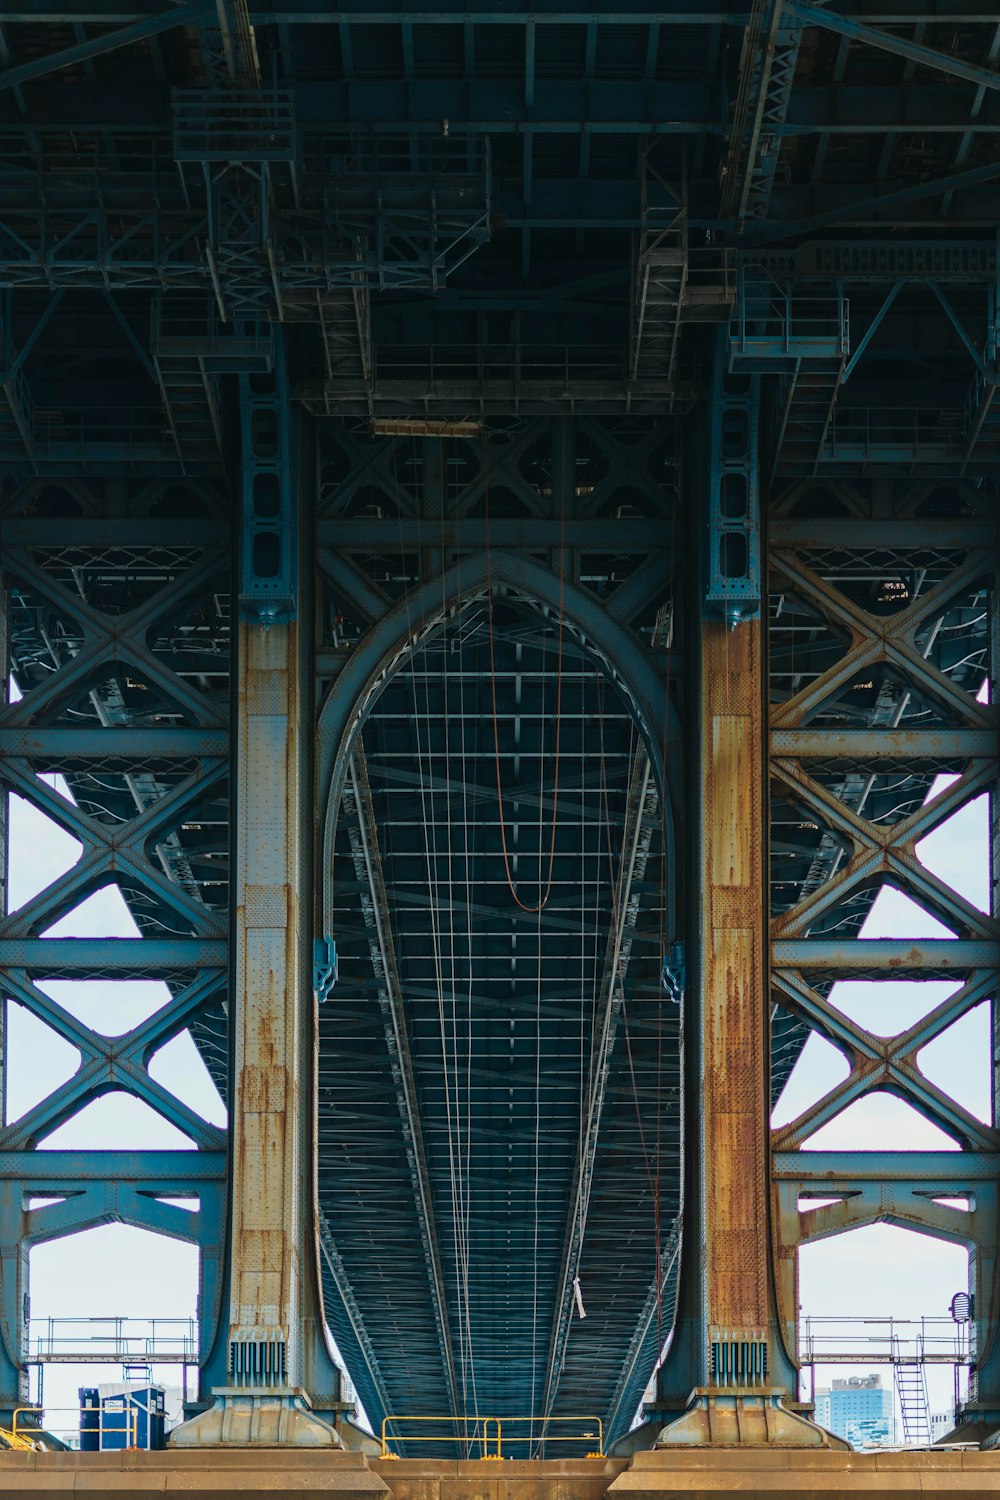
{"x":115,"y":1270}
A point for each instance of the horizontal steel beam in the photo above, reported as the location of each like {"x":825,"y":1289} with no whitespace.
{"x":497,"y":107}
{"x":853,"y":533}
{"x":87,"y":1355}
{"x":595,"y":534}
{"x":925,"y":1168}
{"x":132,"y":957}
{"x":865,"y":107}
{"x":56,"y":746}
{"x":884,"y":744}
{"x":875,"y":262}
{"x":893,"y":957}
{"x":75,"y":1168}
{"x":486,"y":12}
{"x":117,"y":531}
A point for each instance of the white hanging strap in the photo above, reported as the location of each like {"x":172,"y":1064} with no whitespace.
{"x":578,"y":1297}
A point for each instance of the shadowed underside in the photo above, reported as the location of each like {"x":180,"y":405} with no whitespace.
{"x":519,"y":1034}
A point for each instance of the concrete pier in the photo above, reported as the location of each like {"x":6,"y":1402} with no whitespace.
{"x":288,"y":1474}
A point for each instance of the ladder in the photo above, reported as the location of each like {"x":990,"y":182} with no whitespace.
{"x":910,"y":1372}
{"x":660,"y":278}
{"x":810,"y":398}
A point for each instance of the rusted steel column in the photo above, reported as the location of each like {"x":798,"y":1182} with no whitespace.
{"x":264,"y":1401}
{"x":274,"y":1335}
{"x":733,"y":1011}
{"x":743,"y":1378}
{"x":267,"y":1207}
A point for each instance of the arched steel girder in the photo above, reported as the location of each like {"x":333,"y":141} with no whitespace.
{"x":421,"y":613}
{"x":382,"y":653}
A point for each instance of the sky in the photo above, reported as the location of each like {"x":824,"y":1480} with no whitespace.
{"x":118,"y":1271}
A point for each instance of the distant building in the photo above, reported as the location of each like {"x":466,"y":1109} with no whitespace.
{"x":822,"y":1413}
{"x":869,"y":1432}
{"x":942,"y":1422}
{"x":860,"y":1402}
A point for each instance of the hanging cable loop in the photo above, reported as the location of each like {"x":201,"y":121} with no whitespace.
{"x":543,"y":902}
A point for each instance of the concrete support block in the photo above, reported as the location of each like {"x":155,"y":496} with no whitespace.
{"x":784,"y":1473}
{"x":755,"y":1419}
{"x":258,"y":1418}
{"x":219,"y":1474}
{"x":769,"y":1473}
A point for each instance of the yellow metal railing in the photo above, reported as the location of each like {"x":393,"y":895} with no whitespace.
{"x":481,"y":1437}
{"x":488,"y":1433}
{"x":538,"y":1437}
{"x":30,"y":1435}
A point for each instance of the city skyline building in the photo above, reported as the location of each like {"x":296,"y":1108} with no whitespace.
{"x":858,"y":1408}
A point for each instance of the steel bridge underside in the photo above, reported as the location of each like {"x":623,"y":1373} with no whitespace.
{"x":535,"y":1084}
{"x":542,"y":222}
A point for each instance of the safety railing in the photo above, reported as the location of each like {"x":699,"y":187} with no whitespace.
{"x":90,"y":434}
{"x":364,"y":156}
{"x":710,"y":288}
{"x":112,"y":1340}
{"x":493,"y":1435}
{"x":225,"y":125}
{"x":894,"y":435}
{"x":866,"y":1341}
{"x":473,"y":1432}
{"x":772,"y":320}
{"x":192,"y":331}
{"x":97,"y":1422}
{"x":535,"y":1433}
{"x":564,"y":365}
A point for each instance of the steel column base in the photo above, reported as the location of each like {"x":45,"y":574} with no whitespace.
{"x":273,"y":1418}
{"x":718,"y":1417}
{"x":976,"y":1424}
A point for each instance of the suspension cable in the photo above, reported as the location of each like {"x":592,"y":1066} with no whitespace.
{"x":430,"y":858}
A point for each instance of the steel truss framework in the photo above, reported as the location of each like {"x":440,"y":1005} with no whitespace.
{"x":118,"y":643}
{"x":893,"y":587}
{"x":212,"y":214}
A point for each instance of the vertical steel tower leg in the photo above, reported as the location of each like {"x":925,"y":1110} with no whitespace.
{"x":737,"y":1398}
{"x":265,"y":1400}
{"x":729,"y":1344}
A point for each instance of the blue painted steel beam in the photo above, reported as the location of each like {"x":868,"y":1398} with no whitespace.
{"x":859,"y":110}
{"x":126,"y":957}
{"x":960,"y":533}
{"x":60,"y":745}
{"x":140,"y":532}
{"x":949,"y":1168}
{"x":485,"y":12}
{"x":166,"y":1170}
{"x":891,"y":956}
{"x":352,"y":534}
{"x":866,"y":745}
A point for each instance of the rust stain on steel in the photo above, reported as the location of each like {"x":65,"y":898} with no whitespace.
{"x":267,"y":1207}
{"x":734,"y":1020}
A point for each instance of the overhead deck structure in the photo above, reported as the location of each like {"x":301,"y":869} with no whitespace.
{"x":455,"y":461}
